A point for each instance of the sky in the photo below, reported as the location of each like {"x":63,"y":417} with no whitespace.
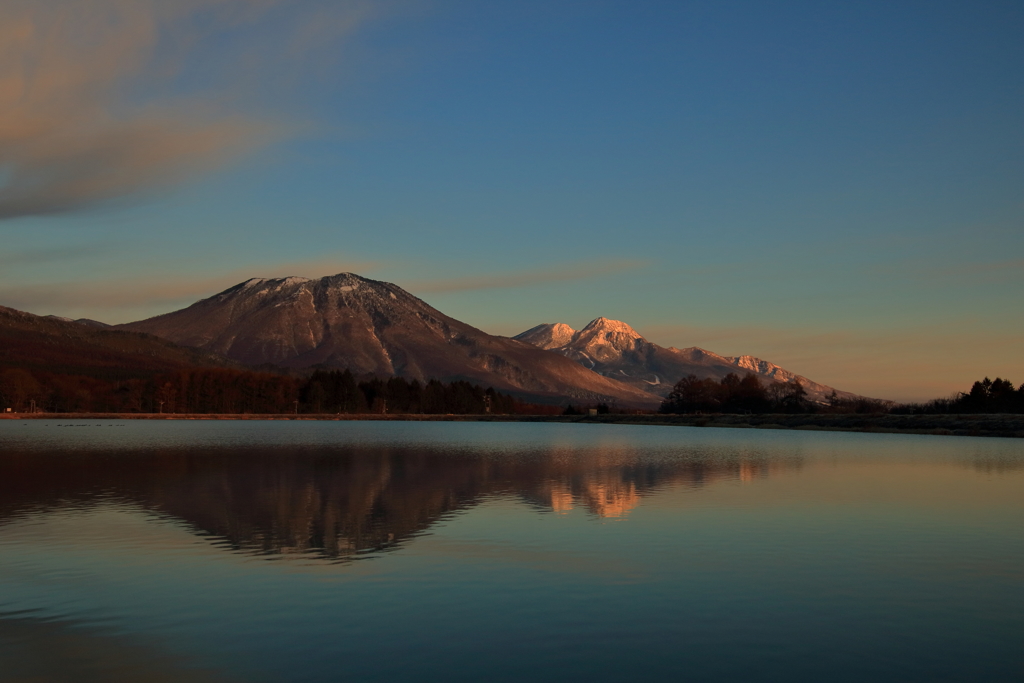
{"x":837,"y":188}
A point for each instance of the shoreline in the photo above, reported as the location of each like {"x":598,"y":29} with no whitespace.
{"x":995,"y":425}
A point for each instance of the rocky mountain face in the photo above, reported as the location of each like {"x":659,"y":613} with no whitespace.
{"x":367,"y":326}
{"x":614,"y":349}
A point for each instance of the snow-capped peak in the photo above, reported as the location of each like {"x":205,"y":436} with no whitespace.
{"x":762,"y":367}
{"x":607,"y":325}
{"x":547,"y":335}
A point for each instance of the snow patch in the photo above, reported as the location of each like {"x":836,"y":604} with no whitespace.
{"x":547,"y":335}
{"x":607,"y":325}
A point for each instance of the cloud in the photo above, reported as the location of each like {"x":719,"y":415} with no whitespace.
{"x":528,"y":278}
{"x":35,"y":257}
{"x":104,"y":99}
{"x":128,"y":298}
{"x":110,"y":300}
{"x":1012,"y":268}
{"x":939,"y":272}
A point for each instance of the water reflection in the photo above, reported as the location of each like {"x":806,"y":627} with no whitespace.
{"x":338,"y":503}
{"x":618,"y":553}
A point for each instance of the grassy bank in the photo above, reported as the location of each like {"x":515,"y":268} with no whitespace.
{"x":1001,"y":425}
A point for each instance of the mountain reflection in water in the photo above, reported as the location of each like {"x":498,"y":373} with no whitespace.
{"x":338,"y":503}
{"x":224,"y":550}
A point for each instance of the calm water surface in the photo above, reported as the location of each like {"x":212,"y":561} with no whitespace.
{"x":349,"y":551}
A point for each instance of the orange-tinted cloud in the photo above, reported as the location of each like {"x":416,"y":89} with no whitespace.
{"x":1013,"y":268}
{"x":156,"y":293}
{"x":34,"y":257}
{"x":93,"y":104}
{"x":527,"y":278}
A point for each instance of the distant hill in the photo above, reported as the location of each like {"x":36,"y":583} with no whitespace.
{"x":83,"y":321}
{"x":614,"y":349}
{"x":67,"y":347}
{"x":372,"y":327}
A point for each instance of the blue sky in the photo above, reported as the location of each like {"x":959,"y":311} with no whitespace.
{"x":834,"y":187}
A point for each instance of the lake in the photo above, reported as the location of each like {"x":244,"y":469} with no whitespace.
{"x":427,"y":551}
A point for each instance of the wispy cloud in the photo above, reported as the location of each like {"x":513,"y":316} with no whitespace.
{"x":35,"y":257}
{"x":101,"y":99}
{"x":528,"y":278}
{"x":116,"y":300}
{"x":958,"y":274}
{"x":1012,"y":267}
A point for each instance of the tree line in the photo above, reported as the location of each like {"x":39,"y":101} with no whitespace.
{"x":232,"y":391}
{"x":235,"y":391}
{"x":734,"y":394}
{"x":985,"y":396}
{"x":748,"y":394}
{"x":333,"y":391}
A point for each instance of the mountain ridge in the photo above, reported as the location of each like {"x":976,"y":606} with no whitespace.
{"x":58,"y":345}
{"x":373,"y":327}
{"x":613,"y":348}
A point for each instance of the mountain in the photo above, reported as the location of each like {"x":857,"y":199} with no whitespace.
{"x":372,"y":327}
{"x":549,"y":336}
{"x":614,"y":349}
{"x":82,"y":321}
{"x":61,"y":346}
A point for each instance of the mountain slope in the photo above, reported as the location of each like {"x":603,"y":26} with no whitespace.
{"x":614,"y":349}
{"x":60,"y":346}
{"x":346,"y":321}
{"x":81,"y":321}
